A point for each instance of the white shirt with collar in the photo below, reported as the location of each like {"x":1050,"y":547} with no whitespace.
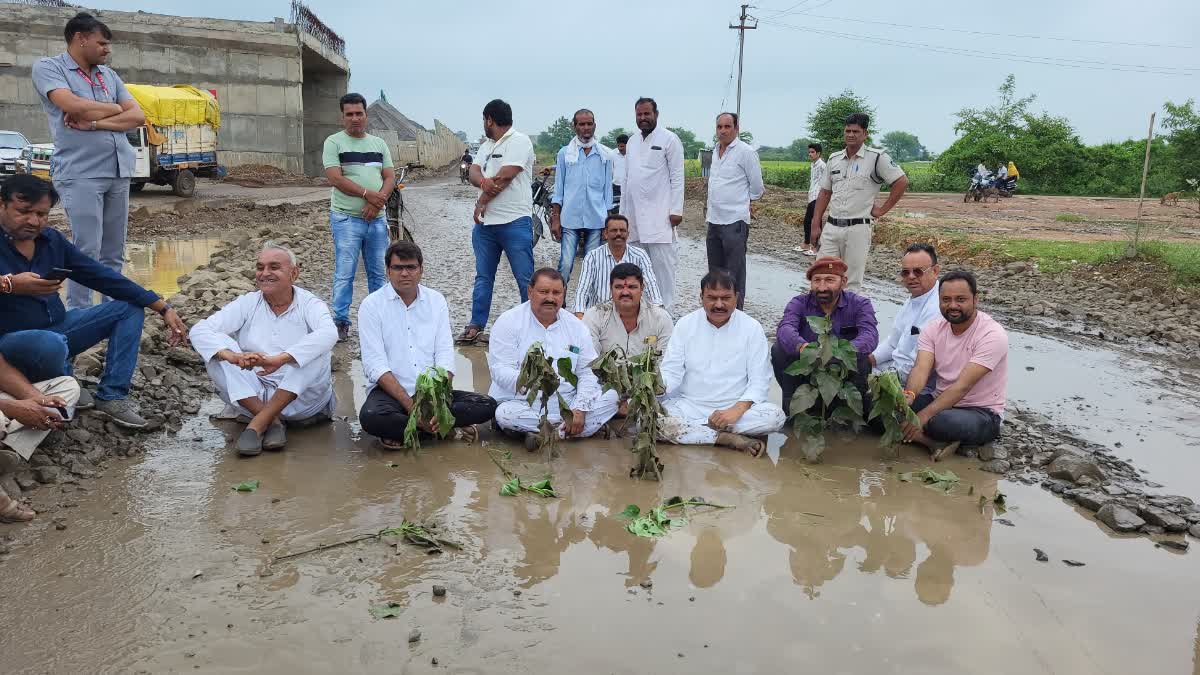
{"x":816,"y":176}
{"x":305,"y":330}
{"x":898,"y":351}
{"x":515,"y":201}
{"x":618,"y":168}
{"x":734,"y":181}
{"x":404,"y":340}
{"x":855,"y":180}
{"x":708,"y":368}
{"x":517,"y":329}
{"x":652,"y":191}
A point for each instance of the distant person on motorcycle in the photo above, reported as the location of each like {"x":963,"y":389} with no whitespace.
{"x":503,"y":213}
{"x":1001,"y":175}
{"x":982,"y":173}
{"x":583,"y":194}
{"x":1013,"y":175}
{"x":619,"y":170}
{"x":466,"y":158}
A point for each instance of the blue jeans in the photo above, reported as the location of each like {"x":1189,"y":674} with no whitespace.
{"x":515,"y":240}
{"x":969,"y":426}
{"x":46,"y":353}
{"x":570,"y":248}
{"x":352,"y":235}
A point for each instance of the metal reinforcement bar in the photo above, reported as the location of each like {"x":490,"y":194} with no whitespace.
{"x":305,"y":20}
{"x":43,"y":3}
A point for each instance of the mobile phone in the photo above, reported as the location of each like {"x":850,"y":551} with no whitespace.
{"x":58,"y":274}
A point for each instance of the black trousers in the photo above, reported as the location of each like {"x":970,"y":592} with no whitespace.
{"x":789,"y":383}
{"x":808,"y":218}
{"x":726,"y":246}
{"x":383,"y":416}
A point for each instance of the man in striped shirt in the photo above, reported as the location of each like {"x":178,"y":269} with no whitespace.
{"x":598,"y":265}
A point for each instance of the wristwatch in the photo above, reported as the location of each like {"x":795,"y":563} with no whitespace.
{"x":166,"y":308}
{"x":93,"y":125}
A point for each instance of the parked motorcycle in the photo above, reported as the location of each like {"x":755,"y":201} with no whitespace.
{"x":543,"y":191}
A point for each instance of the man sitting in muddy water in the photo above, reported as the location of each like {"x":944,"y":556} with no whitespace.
{"x":918,"y":272}
{"x":718,"y":375}
{"x":404,"y":329}
{"x":543,"y":319}
{"x":853,"y":319}
{"x":288,"y":335}
{"x":969,"y":351}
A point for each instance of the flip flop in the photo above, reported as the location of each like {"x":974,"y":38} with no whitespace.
{"x":391,"y":444}
{"x":15,"y":512}
{"x":469,"y":335}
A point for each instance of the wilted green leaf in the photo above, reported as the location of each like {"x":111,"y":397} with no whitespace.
{"x":804,"y":363}
{"x":512,"y":488}
{"x":828,"y":385}
{"x":388,"y":611}
{"x":804,"y":398}
{"x":631,"y":511}
{"x":853,"y":398}
{"x":246,"y":486}
{"x":819,"y":324}
{"x":566,"y":370}
{"x":1000,"y":502}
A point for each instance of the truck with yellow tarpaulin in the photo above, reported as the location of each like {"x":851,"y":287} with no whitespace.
{"x":178,"y":141}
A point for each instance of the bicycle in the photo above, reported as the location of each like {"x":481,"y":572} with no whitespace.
{"x":395,"y":210}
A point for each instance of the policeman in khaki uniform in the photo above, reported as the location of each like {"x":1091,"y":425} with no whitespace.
{"x":852,"y":180}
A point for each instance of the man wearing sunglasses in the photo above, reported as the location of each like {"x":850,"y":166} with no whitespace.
{"x":919,"y":270}
{"x":404,"y":330}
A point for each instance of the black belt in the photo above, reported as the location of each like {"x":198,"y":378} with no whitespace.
{"x":847,"y":222}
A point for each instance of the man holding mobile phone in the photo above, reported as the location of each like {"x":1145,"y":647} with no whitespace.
{"x":39,"y":336}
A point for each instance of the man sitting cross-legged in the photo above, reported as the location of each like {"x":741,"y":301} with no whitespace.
{"x":403,"y":329}
{"x":969,"y":351}
{"x":542,"y":319}
{"x":717,"y":372}
{"x":284,"y":331}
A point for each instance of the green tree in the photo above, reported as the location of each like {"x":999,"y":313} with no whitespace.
{"x":1182,"y":123}
{"x":559,"y":133}
{"x":903,"y":146}
{"x":828,"y":119}
{"x":610,"y":139}
{"x":691,"y":145}
{"x":746,"y":137}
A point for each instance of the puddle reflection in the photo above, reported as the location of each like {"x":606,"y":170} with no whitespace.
{"x":156,"y":265}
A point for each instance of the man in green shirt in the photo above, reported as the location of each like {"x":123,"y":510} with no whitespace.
{"x":359,"y":167}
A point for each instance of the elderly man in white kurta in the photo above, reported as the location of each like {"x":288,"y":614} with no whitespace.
{"x":542,"y":319}
{"x":653,"y":195}
{"x":284,"y":332}
{"x":717,"y":371}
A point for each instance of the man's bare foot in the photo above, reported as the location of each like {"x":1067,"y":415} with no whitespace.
{"x":752,"y":446}
{"x":533,"y":441}
{"x":945,"y":451}
{"x":391,"y":443}
{"x":12,"y":511}
{"x":468,"y":434}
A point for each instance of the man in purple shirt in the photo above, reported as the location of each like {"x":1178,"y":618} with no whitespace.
{"x":853,"y":319}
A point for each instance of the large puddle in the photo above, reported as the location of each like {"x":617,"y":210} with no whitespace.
{"x":157,"y":264}
{"x":893,"y":576}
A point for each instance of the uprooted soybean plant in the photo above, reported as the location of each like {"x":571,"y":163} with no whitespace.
{"x":830,"y":365}
{"x":891,"y":408}
{"x":540,"y":376}
{"x":431,"y":401}
{"x":637,"y":380}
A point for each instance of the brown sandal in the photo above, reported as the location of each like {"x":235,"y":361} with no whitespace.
{"x":14,"y":511}
{"x":391,"y":444}
{"x":469,"y":335}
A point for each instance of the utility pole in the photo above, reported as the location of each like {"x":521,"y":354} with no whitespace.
{"x":741,"y":28}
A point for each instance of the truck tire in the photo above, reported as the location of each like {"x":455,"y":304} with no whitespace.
{"x":184,"y":183}
{"x":136,"y":187}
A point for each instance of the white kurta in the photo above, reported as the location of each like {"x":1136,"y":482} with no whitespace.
{"x":708,"y":369}
{"x":304,"y":330}
{"x":512,"y":335}
{"x":653,"y":187}
{"x":404,"y":340}
{"x":898,"y":351}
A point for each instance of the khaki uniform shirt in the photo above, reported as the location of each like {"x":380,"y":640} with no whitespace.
{"x":855,"y":181}
{"x":604,"y":323}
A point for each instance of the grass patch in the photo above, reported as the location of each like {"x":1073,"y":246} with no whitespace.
{"x":1069,"y":218}
{"x":1182,"y":259}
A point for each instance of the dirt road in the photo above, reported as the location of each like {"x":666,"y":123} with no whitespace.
{"x":161,"y":567}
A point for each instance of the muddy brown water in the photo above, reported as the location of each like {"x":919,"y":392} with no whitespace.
{"x":839,"y":567}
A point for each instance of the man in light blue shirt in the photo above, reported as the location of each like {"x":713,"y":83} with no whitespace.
{"x":583,"y":192}
{"x":919,"y":271}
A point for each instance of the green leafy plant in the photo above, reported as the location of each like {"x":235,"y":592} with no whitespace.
{"x":943,"y":481}
{"x":431,"y":401}
{"x":889,"y":405}
{"x":656,"y":522}
{"x":829,"y":364}
{"x":410,"y":532}
{"x":513,"y":487}
{"x":540,"y":375}
{"x":246,"y":486}
{"x":637,"y":380}
{"x":389,"y":611}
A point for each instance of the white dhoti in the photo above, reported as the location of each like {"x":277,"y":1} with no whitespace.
{"x":312,"y":385}
{"x":665,"y":260}
{"x":687,"y":424}
{"x":517,"y":415}
{"x":20,"y":438}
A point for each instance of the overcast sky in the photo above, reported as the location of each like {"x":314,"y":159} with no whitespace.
{"x":446,"y":59}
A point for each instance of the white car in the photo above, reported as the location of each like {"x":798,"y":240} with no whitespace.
{"x":11,"y":143}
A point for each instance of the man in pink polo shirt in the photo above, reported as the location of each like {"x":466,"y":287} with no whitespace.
{"x":969,"y":352}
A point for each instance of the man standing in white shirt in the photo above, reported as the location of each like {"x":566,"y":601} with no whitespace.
{"x":619,"y":170}
{"x":653,"y":194}
{"x":404,"y":329}
{"x":847,"y":200}
{"x":582,"y":192}
{"x":734,"y":182}
{"x":284,"y":331}
{"x":593,"y":286}
{"x":717,"y":371}
{"x":542,"y":319}
{"x":816,"y":176}
{"x":503,"y":212}
{"x":919,"y":272}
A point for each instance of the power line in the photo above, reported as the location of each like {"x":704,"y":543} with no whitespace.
{"x":741,"y":28}
{"x":729,"y":80}
{"x":782,"y":12}
{"x":807,"y":13}
{"x":1000,"y":56}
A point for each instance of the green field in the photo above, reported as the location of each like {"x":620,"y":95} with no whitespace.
{"x":794,"y":175}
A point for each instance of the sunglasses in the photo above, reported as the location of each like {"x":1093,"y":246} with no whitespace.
{"x":919,"y":272}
